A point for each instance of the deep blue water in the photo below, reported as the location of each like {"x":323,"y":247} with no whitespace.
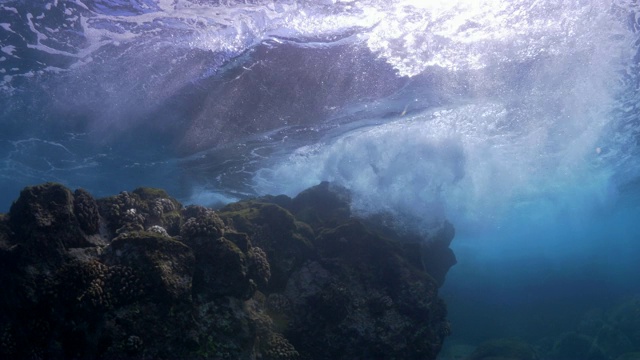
{"x":516,"y":120}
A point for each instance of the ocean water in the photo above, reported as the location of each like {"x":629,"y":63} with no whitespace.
{"x":518,"y":121}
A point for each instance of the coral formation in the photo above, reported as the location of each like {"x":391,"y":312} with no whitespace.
{"x":259,"y":267}
{"x":86,"y":210}
{"x":141,"y":209}
{"x":201,"y":223}
{"x":137,"y":275}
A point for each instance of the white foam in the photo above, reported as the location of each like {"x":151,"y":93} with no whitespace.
{"x":462,"y":35}
{"x":12,"y":9}
{"x":204,"y":197}
{"x":9,"y":49}
{"x":532,"y":147}
{"x":473,"y":163}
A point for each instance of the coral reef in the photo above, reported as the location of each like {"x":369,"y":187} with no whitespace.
{"x":86,"y":209}
{"x":140,"y":210}
{"x":139,"y":276}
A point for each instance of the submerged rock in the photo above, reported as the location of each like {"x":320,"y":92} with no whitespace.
{"x":512,"y":349}
{"x":137,"y":275}
{"x":612,"y":333}
{"x":629,"y":356}
{"x":44,"y":222}
{"x":166,"y":264}
{"x":577,"y":346}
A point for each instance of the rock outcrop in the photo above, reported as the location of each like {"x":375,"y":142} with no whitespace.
{"x":138,"y":275}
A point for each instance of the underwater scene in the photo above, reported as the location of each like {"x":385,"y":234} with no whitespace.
{"x":320,"y":179}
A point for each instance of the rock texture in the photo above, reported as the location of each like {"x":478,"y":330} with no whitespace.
{"x":140,"y":276}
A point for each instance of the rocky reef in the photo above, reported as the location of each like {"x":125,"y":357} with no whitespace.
{"x":140,"y":276}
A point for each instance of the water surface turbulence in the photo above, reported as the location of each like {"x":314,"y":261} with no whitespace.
{"x":517,"y":121}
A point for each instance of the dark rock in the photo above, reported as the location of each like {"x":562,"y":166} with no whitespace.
{"x":322,"y":205}
{"x":140,"y":210}
{"x":43,"y":220}
{"x":512,"y":349}
{"x":276,"y":231}
{"x":86,"y":210}
{"x":437,"y":257}
{"x":360,"y":282}
{"x":5,"y":238}
{"x":629,"y":356}
{"x":577,"y":346}
{"x":222,"y":270}
{"x":201,"y":223}
{"x":222,"y":263}
{"x":281,"y":200}
{"x":259,"y":268}
{"x":167,"y":264}
{"x":136,"y":275}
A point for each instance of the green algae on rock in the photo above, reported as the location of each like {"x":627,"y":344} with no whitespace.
{"x":138,"y":275}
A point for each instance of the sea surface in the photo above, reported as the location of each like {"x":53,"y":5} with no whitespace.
{"x":516,"y":120}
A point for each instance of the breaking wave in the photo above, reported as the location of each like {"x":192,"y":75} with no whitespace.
{"x":431,"y":110}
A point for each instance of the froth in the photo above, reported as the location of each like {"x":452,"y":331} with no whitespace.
{"x":464,"y":164}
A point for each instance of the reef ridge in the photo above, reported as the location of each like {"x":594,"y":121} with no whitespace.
{"x":138,"y":275}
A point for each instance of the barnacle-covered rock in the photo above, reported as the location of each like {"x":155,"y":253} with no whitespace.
{"x":378,"y":303}
{"x":162,"y":206}
{"x":158,"y":230}
{"x":167,"y":265}
{"x":141,"y":209}
{"x":278,"y":303}
{"x":360,"y":281}
{"x":42,"y":207}
{"x":161,"y":209}
{"x":43,"y":220}
{"x":259,"y":268}
{"x":279,"y":348}
{"x":85,"y":208}
{"x":122,"y":212}
{"x":8,"y":344}
{"x":80,"y":284}
{"x":285,"y":241}
{"x":132,"y":220}
{"x":123,"y":285}
{"x":221,"y":270}
{"x":222,"y":267}
{"x":250,"y":281}
{"x":201,"y":223}
{"x":133,"y":345}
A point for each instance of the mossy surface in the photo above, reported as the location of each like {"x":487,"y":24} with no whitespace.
{"x":166,"y":264}
{"x":275,"y":230}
